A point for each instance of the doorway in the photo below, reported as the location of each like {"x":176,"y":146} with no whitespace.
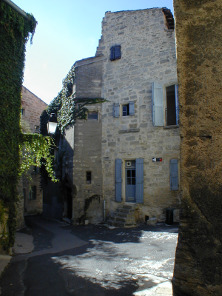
{"x":130,"y":180}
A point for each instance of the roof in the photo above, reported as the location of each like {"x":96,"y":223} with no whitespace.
{"x":18,"y":9}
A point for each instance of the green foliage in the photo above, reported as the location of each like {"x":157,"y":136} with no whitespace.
{"x":36,"y":150}
{"x":14,"y":33}
{"x":67,"y":107}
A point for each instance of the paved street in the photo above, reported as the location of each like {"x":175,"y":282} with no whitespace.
{"x":92,"y":260}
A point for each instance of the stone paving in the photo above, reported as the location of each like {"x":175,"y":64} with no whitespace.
{"x":119,"y":256}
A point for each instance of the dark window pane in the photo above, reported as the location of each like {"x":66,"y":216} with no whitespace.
{"x":93,"y":115}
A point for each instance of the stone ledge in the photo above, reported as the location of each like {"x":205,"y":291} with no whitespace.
{"x":130,"y":130}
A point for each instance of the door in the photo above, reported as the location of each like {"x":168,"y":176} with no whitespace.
{"x":130,"y":172}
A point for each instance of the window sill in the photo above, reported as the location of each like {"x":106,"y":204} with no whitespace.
{"x":171,"y":126}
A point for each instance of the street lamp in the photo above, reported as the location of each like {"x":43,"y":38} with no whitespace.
{"x":52,"y":124}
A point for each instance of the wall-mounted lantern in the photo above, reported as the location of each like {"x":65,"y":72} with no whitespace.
{"x":52,"y":124}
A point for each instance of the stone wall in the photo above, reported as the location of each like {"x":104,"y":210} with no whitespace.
{"x":87,"y":194}
{"x":147,"y":55}
{"x":198,"y":266}
{"x":31,"y":109}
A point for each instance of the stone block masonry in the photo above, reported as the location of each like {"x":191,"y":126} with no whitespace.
{"x":147,"y":55}
{"x":198,"y":266}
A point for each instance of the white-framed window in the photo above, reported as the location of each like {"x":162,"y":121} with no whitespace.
{"x":165,"y":105}
{"x":126,"y":109}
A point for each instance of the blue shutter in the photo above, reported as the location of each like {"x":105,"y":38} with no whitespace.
{"x":157,"y":104}
{"x":117,"y":52}
{"x":177,"y":103}
{"x":174,"y":185}
{"x":118,"y":179}
{"x":131,"y":108}
{"x":115,"y":110}
{"x":139,"y":180}
{"x":112,"y":53}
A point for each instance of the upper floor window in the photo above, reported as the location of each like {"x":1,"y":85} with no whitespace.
{"x":93,"y":115}
{"x":127,"y":109}
{"x":165,"y":98}
{"x":22,"y":111}
{"x":115,"y":52}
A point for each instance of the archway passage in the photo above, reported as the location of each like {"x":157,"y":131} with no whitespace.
{"x":198,"y":264}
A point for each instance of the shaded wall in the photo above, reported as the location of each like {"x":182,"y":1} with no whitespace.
{"x":198,"y":266}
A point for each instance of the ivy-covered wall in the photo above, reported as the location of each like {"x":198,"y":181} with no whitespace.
{"x":14,"y":33}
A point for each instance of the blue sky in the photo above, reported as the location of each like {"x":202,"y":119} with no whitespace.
{"x":67,"y":31}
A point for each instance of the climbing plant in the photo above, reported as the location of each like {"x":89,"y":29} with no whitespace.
{"x":15,"y":30}
{"x":67,"y":106}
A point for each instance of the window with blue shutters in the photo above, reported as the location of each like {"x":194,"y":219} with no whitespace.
{"x":118,"y":180}
{"x":157,"y":104}
{"x":139,"y":180}
{"x":168,"y":97}
{"x":174,"y":182}
{"x":115,"y":52}
{"x":115,"y":110}
{"x":128,"y":109}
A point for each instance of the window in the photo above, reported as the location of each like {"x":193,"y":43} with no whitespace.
{"x":88,"y":177}
{"x":22,"y":111}
{"x":128,"y":109}
{"x":32,"y":193}
{"x":93,"y":115}
{"x":115,"y":52}
{"x":125,"y":110}
{"x":168,"y":97}
{"x":170,"y":106}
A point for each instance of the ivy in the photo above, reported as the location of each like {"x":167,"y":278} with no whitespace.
{"x":15,"y":31}
{"x":67,"y":106}
{"x":36,"y":150}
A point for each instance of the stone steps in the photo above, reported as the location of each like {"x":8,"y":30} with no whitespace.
{"x":123,"y":216}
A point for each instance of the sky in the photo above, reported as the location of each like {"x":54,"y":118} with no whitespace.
{"x":67,"y":31}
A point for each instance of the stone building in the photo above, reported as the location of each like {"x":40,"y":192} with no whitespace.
{"x":126,"y":154}
{"x":31,"y":109}
{"x":198,"y":264}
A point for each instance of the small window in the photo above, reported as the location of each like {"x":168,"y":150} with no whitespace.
{"x":93,"y":115}
{"x":22,"y":111}
{"x":126,"y":110}
{"x":32,"y":193}
{"x":115,"y":52}
{"x":88,"y":177}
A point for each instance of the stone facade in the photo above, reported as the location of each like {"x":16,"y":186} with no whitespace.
{"x":85,"y":166}
{"x":31,"y":109}
{"x":147,"y":56}
{"x":134,"y":68}
{"x":198,"y":265}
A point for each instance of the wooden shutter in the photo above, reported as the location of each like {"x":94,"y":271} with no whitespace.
{"x":174,"y":184}
{"x":112,"y":53}
{"x":131,"y":108}
{"x":157,"y":104}
{"x":117,"y":52}
{"x":118,"y":179}
{"x":177,"y":103}
{"x":115,"y":110}
{"x":139,"y":180}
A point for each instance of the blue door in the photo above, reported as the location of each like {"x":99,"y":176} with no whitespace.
{"x":130,"y":172}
